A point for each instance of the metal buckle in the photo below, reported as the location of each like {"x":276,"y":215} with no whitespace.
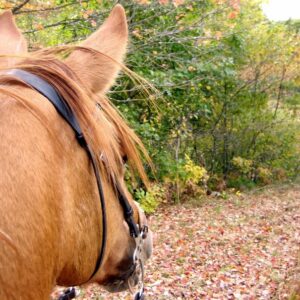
{"x":138,"y":260}
{"x":68,"y":294}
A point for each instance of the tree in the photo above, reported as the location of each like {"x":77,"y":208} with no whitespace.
{"x":228,"y":79}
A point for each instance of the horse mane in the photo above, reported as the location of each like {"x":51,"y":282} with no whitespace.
{"x":105,"y":130}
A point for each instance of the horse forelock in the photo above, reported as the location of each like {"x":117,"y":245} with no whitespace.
{"x":105,"y":130}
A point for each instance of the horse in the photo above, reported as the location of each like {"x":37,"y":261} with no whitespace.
{"x":52,"y":227}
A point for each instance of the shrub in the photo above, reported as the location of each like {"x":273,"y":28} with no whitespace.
{"x":264,"y":175}
{"x":243,"y":165}
{"x":150,"y":200}
{"x":194,"y":173}
{"x":188,"y":181}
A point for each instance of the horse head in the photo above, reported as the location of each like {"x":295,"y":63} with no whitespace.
{"x":52,"y":227}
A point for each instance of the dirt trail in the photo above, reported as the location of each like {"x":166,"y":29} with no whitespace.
{"x":245,"y":247}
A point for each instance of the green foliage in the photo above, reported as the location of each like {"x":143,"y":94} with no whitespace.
{"x":150,"y":199}
{"x":240,"y":182}
{"x":229,"y":82}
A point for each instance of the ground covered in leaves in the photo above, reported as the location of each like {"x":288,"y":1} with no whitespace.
{"x":244,"y":247}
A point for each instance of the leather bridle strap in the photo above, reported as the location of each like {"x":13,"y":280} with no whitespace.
{"x":48,"y":91}
{"x":128,"y":214}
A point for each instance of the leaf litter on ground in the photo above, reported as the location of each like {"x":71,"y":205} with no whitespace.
{"x":245,"y":247}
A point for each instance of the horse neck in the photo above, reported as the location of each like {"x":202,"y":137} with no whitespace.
{"x":83,"y":222}
{"x":48,"y":189}
{"x":53,"y":201}
{"x":81,"y":218}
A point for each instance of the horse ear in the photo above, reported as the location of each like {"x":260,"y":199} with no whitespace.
{"x":98,"y":72}
{"x":12,"y":40}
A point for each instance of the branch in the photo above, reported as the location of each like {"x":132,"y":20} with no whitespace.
{"x":18,"y":7}
{"x":60,"y":23}
{"x":29,"y":11}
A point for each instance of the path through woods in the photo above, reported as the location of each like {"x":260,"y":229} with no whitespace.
{"x":245,"y":247}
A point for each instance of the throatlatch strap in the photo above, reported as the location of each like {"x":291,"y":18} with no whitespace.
{"x":48,"y":91}
{"x":128,"y":214}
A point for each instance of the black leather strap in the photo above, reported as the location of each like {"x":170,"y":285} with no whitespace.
{"x":128,"y":214}
{"x":44,"y":88}
{"x":47,"y":90}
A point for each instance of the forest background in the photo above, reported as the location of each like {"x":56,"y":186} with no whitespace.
{"x":225,"y":112}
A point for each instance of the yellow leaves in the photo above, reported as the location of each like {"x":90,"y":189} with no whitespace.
{"x":36,"y":6}
{"x":190,"y":7}
{"x":196,"y":174}
{"x":86,"y":14}
{"x":150,"y":199}
{"x":179,"y":16}
{"x":137,"y":33}
{"x":231,"y":25}
{"x":207,"y":32}
{"x":219,"y":2}
{"x":191,"y":69}
{"x":264,"y":175}
{"x":143,"y":2}
{"x":5,"y":5}
{"x":244,"y":165}
{"x":39,"y":26}
{"x":93,"y":23}
{"x":238,"y":193}
{"x":218,"y":35}
{"x":178,"y":2}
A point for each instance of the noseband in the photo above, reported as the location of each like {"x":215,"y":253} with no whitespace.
{"x":137,"y":232}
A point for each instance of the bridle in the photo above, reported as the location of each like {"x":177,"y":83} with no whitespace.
{"x":137,"y":231}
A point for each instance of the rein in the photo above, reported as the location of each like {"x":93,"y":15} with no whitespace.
{"x":48,"y":91}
